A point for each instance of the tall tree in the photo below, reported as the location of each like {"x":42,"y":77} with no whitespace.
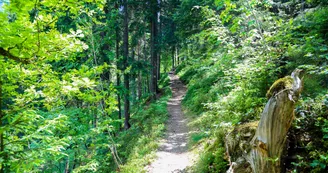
{"x":153,"y":47}
{"x":118,"y":66}
{"x":126,"y":65}
{"x":159,"y":40}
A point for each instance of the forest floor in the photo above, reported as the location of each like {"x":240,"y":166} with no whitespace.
{"x":173,"y":155}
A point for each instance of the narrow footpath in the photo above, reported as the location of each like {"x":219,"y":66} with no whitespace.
{"x":173,"y":155}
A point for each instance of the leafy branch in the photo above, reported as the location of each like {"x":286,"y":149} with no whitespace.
{"x":9,"y":55}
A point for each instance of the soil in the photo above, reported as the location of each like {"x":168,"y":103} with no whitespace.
{"x":173,"y":155}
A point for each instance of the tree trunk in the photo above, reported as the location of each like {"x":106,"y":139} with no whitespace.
{"x":158,"y":67}
{"x":118,"y":83}
{"x":173,"y":57}
{"x":263,"y":152}
{"x":177,"y":54}
{"x":118,"y":78}
{"x":133,"y":82}
{"x":153,"y":47}
{"x":269,"y":140}
{"x":2,"y":148}
{"x":139,"y":76}
{"x":147,"y":85}
{"x":125,"y":62}
{"x":158,"y":20}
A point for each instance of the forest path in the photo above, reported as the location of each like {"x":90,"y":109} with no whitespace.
{"x":173,"y":155}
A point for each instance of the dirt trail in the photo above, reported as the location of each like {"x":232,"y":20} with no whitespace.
{"x":173,"y":155}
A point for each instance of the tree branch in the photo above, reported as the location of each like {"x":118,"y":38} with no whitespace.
{"x":7,"y":54}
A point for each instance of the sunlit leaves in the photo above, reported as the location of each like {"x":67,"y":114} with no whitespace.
{"x":49,"y":109}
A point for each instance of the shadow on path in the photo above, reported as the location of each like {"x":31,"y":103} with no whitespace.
{"x":173,"y":155}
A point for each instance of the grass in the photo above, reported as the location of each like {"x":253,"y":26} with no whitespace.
{"x":143,"y":137}
{"x":205,"y":139}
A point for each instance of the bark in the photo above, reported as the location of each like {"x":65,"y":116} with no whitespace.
{"x":153,"y":45}
{"x":270,"y":137}
{"x":158,"y":67}
{"x":139,"y":76}
{"x":118,"y":78}
{"x":139,"y":86}
{"x":133,"y":82}
{"x":158,"y":20}
{"x":118,"y":83}
{"x":263,"y":152}
{"x":173,"y":57}
{"x":125,"y":62}
{"x":147,"y":85}
{"x":2,"y":148}
{"x":177,"y":54}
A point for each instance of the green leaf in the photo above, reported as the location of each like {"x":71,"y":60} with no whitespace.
{"x":315,"y":163}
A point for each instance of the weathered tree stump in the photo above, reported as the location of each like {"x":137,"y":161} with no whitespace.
{"x":263,"y":152}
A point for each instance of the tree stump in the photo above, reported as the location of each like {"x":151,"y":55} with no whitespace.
{"x":263,"y":152}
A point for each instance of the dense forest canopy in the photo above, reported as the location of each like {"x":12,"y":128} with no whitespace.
{"x":84,"y":83}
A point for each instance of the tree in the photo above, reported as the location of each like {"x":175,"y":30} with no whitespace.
{"x":118,"y":63}
{"x":154,"y":48}
{"x":126,"y":65}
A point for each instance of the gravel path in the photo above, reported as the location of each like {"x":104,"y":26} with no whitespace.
{"x":173,"y":155}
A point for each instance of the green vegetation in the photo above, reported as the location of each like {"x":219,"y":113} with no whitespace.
{"x":237,"y":50}
{"x":84,"y":85}
{"x":149,"y":126}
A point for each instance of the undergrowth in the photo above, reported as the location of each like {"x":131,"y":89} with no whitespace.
{"x":227,"y":85}
{"x":139,"y":144}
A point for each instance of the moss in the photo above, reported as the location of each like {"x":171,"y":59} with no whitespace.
{"x":280,"y":84}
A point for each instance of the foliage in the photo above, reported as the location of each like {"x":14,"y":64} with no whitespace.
{"x":148,"y":126}
{"x":58,"y":99}
{"x":239,"y":50}
{"x":211,"y":159}
{"x":61,"y":109}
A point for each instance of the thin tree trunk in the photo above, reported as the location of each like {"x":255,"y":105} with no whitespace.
{"x":158,"y":19}
{"x":2,"y":148}
{"x":146,"y":78}
{"x":147,"y":86}
{"x":133,"y":82}
{"x":177,"y":54}
{"x":153,"y":37}
{"x":139,"y":76}
{"x":118,"y":83}
{"x":173,"y":57}
{"x":118,"y":77}
{"x":125,"y":62}
{"x":158,"y":67}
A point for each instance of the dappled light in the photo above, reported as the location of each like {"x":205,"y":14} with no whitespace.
{"x":173,"y":154}
{"x":162,"y":86}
